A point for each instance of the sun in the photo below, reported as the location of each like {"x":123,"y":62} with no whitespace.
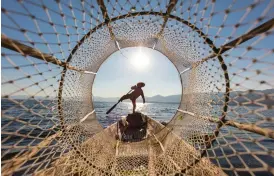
{"x":139,"y":60}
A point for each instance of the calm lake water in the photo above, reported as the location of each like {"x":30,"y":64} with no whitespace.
{"x":158,"y":111}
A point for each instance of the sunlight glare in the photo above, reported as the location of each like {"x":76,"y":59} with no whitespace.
{"x":140,"y":60}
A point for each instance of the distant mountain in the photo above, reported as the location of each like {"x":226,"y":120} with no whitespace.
{"x":156,"y":98}
{"x":265,"y":97}
{"x":166,"y":99}
{"x":236,"y":97}
{"x":247,"y":98}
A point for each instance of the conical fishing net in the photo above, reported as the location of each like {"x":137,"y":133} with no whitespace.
{"x":223,"y":51}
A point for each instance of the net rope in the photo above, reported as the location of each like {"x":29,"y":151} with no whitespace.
{"x":223,"y":51}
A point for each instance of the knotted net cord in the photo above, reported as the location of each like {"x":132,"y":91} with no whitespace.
{"x":51,"y":51}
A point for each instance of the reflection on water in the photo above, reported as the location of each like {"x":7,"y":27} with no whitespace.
{"x":157,"y":111}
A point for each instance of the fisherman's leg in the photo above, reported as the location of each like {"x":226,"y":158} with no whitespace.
{"x":124,"y":97}
{"x":134,"y":105}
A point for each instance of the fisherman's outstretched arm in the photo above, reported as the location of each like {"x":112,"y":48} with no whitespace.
{"x":143,"y":96}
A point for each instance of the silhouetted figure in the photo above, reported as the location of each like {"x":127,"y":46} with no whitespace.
{"x":137,"y":91}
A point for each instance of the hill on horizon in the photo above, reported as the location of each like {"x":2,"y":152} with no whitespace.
{"x":156,"y":98}
{"x":248,"y":97}
{"x":235,"y":97}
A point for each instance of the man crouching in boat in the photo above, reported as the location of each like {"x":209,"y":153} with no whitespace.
{"x":137,"y":91}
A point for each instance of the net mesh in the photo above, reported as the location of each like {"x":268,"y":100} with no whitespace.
{"x":223,"y":51}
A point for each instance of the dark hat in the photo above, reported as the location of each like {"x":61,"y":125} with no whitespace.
{"x":141,"y":84}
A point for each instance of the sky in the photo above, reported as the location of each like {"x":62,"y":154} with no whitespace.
{"x":125,"y":68}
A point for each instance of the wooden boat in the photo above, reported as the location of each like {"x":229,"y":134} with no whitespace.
{"x":133,"y":149}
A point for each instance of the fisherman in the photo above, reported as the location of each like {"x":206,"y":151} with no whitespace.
{"x":137,"y":91}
